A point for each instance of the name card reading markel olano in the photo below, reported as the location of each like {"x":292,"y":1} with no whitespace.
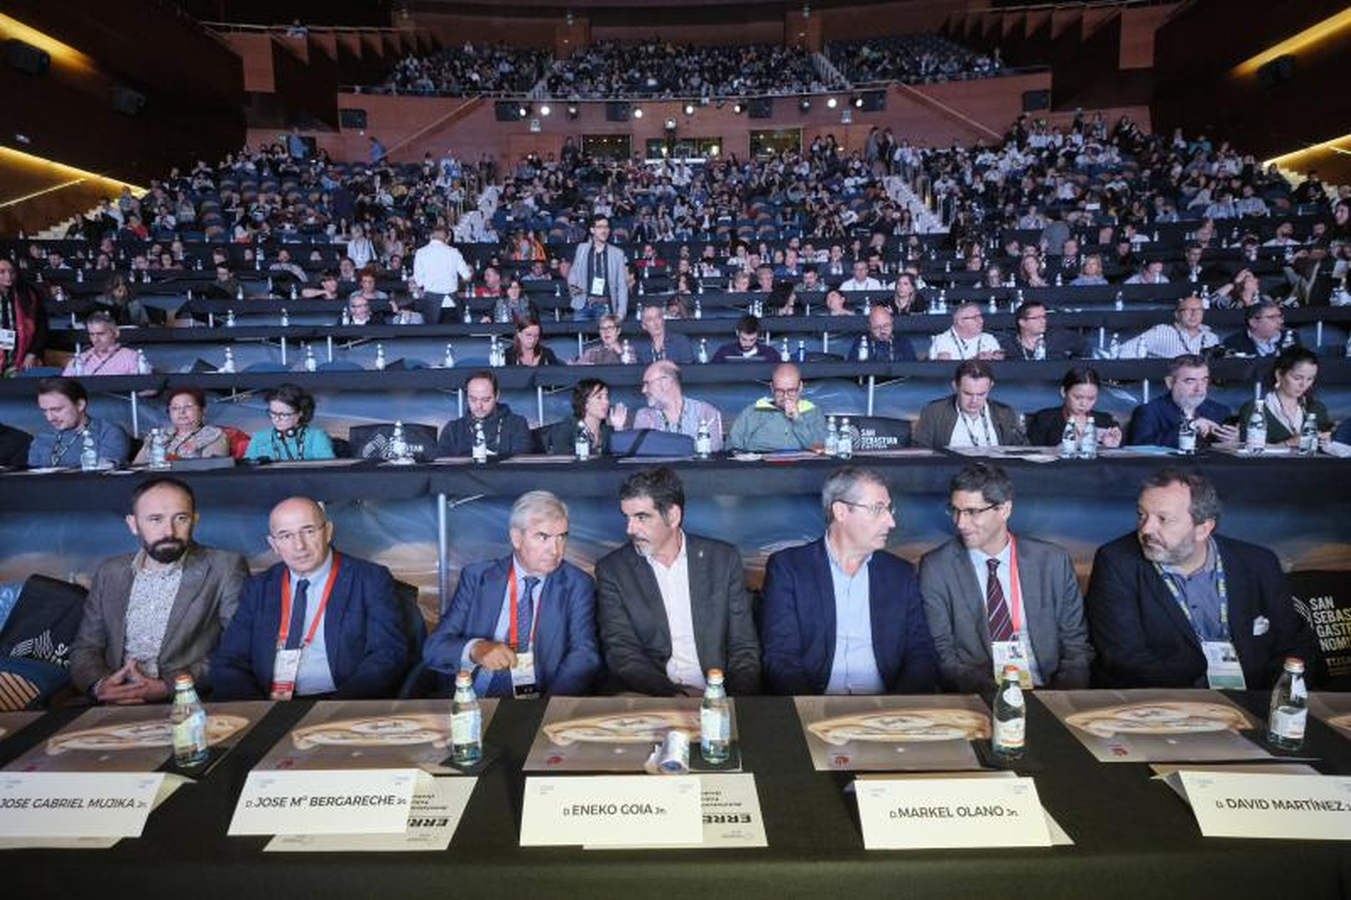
{"x":1303,"y":807}
{"x":331,"y":801}
{"x":79,"y":804}
{"x":612,"y":811}
{"x":925,"y":813}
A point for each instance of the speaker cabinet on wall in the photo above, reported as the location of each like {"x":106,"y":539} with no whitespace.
{"x":760,"y":108}
{"x":352,"y":119}
{"x":127,"y":102}
{"x":506,"y":111}
{"x":26,"y":57}
{"x":874,"y":101}
{"x":1035,"y":100}
{"x":618,"y":111}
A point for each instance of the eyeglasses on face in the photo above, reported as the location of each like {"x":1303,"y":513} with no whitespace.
{"x":957,"y":512}
{"x":873,"y":509}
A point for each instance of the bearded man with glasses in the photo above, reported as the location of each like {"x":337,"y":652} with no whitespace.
{"x":840,"y":614}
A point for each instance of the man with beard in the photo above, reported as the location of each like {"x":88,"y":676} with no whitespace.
{"x":1176,"y":605}
{"x":157,"y":612}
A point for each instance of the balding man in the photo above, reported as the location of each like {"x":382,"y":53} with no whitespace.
{"x":782,"y":421}
{"x":317,"y":624}
{"x":669,"y":409}
{"x":884,"y":346}
{"x":967,"y":338}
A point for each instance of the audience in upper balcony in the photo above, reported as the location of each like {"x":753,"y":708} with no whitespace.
{"x":910,"y":58}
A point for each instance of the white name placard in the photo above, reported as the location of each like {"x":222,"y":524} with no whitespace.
{"x":923,"y":813}
{"x":1303,"y":807}
{"x":612,"y":810}
{"x":76,"y":804}
{"x":336,"y":801}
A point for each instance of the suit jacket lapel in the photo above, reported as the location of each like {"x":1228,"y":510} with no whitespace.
{"x":646,"y":602}
{"x":968,"y":586}
{"x":490,"y":604}
{"x":548,"y":646}
{"x":116,"y":613}
{"x":703,"y":612}
{"x":335,"y":612}
{"x":825,"y":599}
{"x":189,"y":589}
{"x":886,"y":623}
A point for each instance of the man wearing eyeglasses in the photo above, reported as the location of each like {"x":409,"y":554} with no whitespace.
{"x":994,"y":600}
{"x":783,"y":421}
{"x":840,"y":617}
{"x":1262,"y":337}
{"x":669,"y":409}
{"x":967,"y":338}
{"x":317,"y":624}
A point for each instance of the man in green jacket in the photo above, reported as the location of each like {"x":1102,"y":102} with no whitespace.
{"x":783,"y":421}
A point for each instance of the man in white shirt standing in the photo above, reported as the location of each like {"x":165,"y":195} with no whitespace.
{"x":966,"y":339}
{"x":437,"y":271}
{"x":672,"y":605}
{"x":861,"y":281}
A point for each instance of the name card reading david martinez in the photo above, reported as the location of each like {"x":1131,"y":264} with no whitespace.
{"x":1306,"y":807}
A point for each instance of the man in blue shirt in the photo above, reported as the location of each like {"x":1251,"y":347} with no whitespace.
{"x":65,"y":403}
{"x":840,"y":617}
{"x":1156,"y":423}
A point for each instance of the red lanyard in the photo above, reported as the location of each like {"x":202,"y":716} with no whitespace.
{"x":1015,"y":588}
{"x":534,"y":619}
{"x":285,"y":628}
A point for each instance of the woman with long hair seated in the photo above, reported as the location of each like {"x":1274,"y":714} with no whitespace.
{"x":591,"y":409}
{"x":1289,"y":400}
{"x":190,"y":437}
{"x":292,"y":436}
{"x":1079,"y":388}
{"x":527,"y":348}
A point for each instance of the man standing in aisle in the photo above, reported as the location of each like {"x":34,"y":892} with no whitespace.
{"x":597,"y":280}
{"x":840,"y":614}
{"x":438,"y":269}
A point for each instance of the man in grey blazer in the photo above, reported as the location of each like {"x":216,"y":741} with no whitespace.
{"x":673,"y":605}
{"x":160,"y":611}
{"x":598,"y":278}
{"x":968,"y":417}
{"x":992,"y":599}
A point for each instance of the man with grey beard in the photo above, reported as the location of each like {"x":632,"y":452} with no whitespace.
{"x":159,"y":611}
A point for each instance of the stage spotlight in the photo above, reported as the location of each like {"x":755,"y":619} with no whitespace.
{"x":544,"y":109}
{"x":522,"y":111}
{"x":670,"y":123}
{"x":572,"y":110}
{"x":832,"y":103}
{"x":689,"y":109}
{"x":805,"y":104}
{"x":637,"y":112}
{"x":736,"y":107}
{"x":714,"y":150}
{"x":858,"y":102}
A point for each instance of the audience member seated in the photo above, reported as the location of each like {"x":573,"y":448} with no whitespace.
{"x":1079,"y":388}
{"x":783,"y":421}
{"x":524,"y":624}
{"x":326,"y":290}
{"x":504,"y":432}
{"x":1170,"y":604}
{"x":118,"y":301}
{"x":671,"y":605}
{"x":189,"y":437}
{"x":591,"y":409}
{"x":292,"y":435}
{"x":1186,"y":334}
{"x":668,"y":409}
{"x":468,"y":70}
{"x":608,"y":351}
{"x":23,"y":312}
{"x":1290,"y":400}
{"x":512,"y":305}
{"x":904,"y":298}
{"x":1090,"y":273}
{"x":317,"y":624}
{"x":360,"y":311}
{"x":861,"y":280}
{"x":968,"y":417}
{"x":662,"y":344}
{"x":966,"y":339}
{"x":841,"y":615}
{"x":747,"y":345}
{"x":1262,"y":337}
{"x":883,"y":344}
{"x":1032,"y":616}
{"x":153,"y":614}
{"x":59,"y":443}
{"x":104,"y":356}
{"x":910,"y":58}
{"x":1156,"y":423}
{"x":836,"y":305}
{"x":527,"y":347}
{"x":1032,"y":338}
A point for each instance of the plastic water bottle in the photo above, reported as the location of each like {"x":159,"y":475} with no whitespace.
{"x":1120,"y":303}
{"x":189,"y":724}
{"x":863,"y":348}
{"x":832,"y":437}
{"x":89,"y":455}
{"x":1114,"y":348}
{"x":159,"y":456}
{"x":480,"y":451}
{"x":1059,"y":281}
{"x":285,"y":318}
{"x":294,"y":295}
{"x":715,"y":721}
{"x":867,"y":306}
{"x":466,"y":316}
{"x":79,"y":361}
{"x":239,"y":292}
{"x":1289,"y":712}
{"x":466,"y":722}
{"x":1088,"y":441}
{"x":398,"y":445}
{"x":784,"y":355}
{"x":346,"y":316}
{"x":703,"y":441}
{"x":228,"y":366}
{"x":1348,"y":347}
{"x":1288,"y":339}
{"x":449,"y":360}
{"x":581,"y":443}
{"x":942,"y":307}
{"x":703,"y":350}
{"x":229,"y":318}
{"x":1256,"y":440}
{"x":801,"y":350}
{"x":698,"y":306}
{"x":1010,"y":717}
{"x":993,"y":306}
{"x":1040,"y":351}
{"x":1069,"y":442}
{"x":380,"y":357}
{"x":1308,"y":435}
{"x":626,"y":353}
{"x":1186,"y":436}
{"x":311,"y":364}
{"x":844,"y":447}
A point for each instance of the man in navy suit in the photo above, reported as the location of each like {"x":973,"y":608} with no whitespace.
{"x":524,"y":624}
{"x":1166,"y":599}
{"x":341,"y":635}
{"x":840,"y":617}
{"x":1157,"y":422}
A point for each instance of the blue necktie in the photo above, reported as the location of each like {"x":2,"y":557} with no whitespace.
{"x":525,"y":615}
{"x":294,"y":634}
